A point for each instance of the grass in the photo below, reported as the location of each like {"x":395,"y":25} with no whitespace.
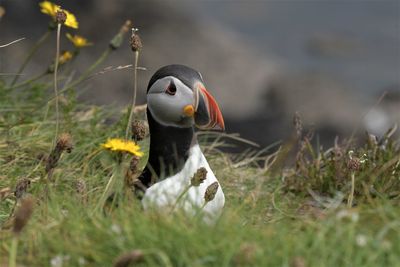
{"x":274,"y":215}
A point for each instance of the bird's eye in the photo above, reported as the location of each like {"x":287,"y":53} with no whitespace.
{"x":171,"y":89}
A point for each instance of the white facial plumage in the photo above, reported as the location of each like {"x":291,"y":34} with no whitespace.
{"x":166,"y":100}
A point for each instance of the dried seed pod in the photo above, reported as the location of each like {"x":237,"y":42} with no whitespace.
{"x":136,"y":42}
{"x":211,"y":191}
{"x":64,"y":142}
{"x":61,"y":17}
{"x":132,"y":172}
{"x":124,"y":260}
{"x":134,"y":163}
{"x":354,"y":164}
{"x":21,"y":187}
{"x":139,"y":130}
{"x":199,"y":177}
{"x":23,"y":214}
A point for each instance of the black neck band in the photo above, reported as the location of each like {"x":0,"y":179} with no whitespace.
{"x":169,"y":150}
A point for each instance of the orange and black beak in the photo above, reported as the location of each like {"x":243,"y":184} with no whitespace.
{"x":207,"y":113}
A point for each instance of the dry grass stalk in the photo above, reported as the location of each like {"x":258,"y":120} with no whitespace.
{"x":298,"y":125}
{"x":61,"y":17}
{"x":136,"y":46}
{"x":5,"y":192}
{"x":13,"y":42}
{"x":81,"y":190}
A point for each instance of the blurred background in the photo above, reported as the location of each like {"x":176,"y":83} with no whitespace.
{"x":262,"y":60}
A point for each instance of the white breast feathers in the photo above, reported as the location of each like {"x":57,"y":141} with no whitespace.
{"x":168,"y":195}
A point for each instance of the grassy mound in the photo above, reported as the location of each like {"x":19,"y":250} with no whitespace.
{"x":335,"y":207}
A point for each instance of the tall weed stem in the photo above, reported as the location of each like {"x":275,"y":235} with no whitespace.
{"x":55,"y":82}
{"x":135,"y":65}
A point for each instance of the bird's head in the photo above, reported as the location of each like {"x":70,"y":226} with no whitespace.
{"x":177,"y":97}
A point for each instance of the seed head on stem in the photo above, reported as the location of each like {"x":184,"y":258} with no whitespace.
{"x":61,"y":17}
{"x":199,"y":177}
{"x":136,"y":46}
{"x":136,"y":42}
{"x":64,"y":143}
{"x":211,"y":191}
{"x":139,"y":130}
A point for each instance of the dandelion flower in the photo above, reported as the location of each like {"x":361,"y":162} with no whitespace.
{"x":49,"y":8}
{"x":120,"y":145}
{"x":78,"y":40}
{"x":71,"y":20}
{"x":65,"y":57}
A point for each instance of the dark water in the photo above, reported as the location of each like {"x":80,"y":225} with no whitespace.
{"x":357,"y":42}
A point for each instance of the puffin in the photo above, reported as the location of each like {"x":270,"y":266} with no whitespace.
{"x":177,"y":103}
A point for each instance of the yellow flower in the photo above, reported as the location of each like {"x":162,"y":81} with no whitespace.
{"x":71,"y":20}
{"x":49,"y":8}
{"x":78,"y":40}
{"x":120,"y":145}
{"x":65,"y":57}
